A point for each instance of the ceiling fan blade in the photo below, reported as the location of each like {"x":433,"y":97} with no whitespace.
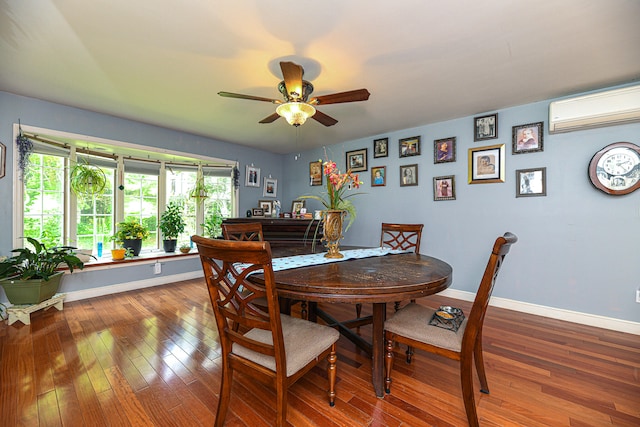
{"x":270,"y":119}
{"x":324,"y":119}
{"x":292,"y":74}
{"x":336,"y":98}
{"x":249,"y":97}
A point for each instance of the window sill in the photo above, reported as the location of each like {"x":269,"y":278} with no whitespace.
{"x":143,"y":258}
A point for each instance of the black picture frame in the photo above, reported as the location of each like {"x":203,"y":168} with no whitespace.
{"x":444,"y":150}
{"x":357,"y":160}
{"x":409,"y":175}
{"x":485,"y":127}
{"x":408,"y":147}
{"x":527,"y":138}
{"x":380,"y":148}
{"x":444,"y":187}
{"x":531,"y":182}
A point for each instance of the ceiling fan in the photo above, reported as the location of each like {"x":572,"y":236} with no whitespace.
{"x":296,"y":107}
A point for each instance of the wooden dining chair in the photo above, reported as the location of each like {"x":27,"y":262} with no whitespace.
{"x":274,"y":348}
{"x":243,"y":231}
{"x":410,"y":325}
{"x":398,"y":236}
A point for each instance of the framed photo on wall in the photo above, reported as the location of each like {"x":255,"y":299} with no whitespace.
{"x":380,"y":148}
{"x":531,"y":182}
{"x":444,"y":188}
{"x":527,"y":138}
{"x":270,"y":188}
{"x":252,"y":178}
{"x":486,"y":164}
{"x":485,"y":127}
{"x":378,"y":176}
{"x":409,"y":146}
{"x":408,"y":175}
{"x":266,"y":206}
{"x":444,"y":150}
{"x":357,"y":160}
{"x":315,"y":173}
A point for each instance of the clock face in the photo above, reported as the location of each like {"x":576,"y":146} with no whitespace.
{"x":616,"y":168}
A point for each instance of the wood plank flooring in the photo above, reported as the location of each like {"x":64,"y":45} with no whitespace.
{"x":151,"y":358}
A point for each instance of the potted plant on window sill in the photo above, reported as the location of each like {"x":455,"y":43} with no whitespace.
{"x":32,"y":276}
{"x":171,"y":224}
{"x":130,"y":235}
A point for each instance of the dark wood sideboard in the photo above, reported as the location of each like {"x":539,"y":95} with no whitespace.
{"x":285,"y":231}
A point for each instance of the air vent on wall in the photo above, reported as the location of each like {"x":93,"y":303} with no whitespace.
{"x":613,"y":107}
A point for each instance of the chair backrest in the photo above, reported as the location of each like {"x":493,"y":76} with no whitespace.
{"x":401,"y":236}
{"x":242,"y":231}
{"x":233,"y":297}
{"x":476,"y":317}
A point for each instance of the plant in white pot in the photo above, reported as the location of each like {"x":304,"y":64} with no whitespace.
{"x":32,"y":275}
{"x":171,"y":224}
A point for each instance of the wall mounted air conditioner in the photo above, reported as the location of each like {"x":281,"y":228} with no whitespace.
{"x":607,"y":108}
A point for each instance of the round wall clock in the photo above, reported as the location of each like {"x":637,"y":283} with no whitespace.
{"x":616,"y":168}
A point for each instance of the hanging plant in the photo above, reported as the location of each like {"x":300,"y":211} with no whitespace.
{"x":199,"y":191}
{"x":236,"y":177}
{"x":25,"y":148}
{"x":88,"y":180}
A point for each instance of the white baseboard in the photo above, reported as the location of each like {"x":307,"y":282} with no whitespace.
{"x":555,"y":313}
{"x":130,"y":286}
{"x":539,"y":310}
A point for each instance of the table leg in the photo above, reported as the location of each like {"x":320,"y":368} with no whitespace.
{"x":377,"y":357}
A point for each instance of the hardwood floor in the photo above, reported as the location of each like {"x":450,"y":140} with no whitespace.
{"x":150,"y":357}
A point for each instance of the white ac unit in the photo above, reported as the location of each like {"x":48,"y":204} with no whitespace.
{"x":608,"y":108}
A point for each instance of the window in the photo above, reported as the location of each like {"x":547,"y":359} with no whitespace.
{"x":55,"y":215}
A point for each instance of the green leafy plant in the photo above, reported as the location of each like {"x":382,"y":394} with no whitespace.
{"x":39,"y":263}
{"x":213,"y":222}
{"x":87,"y":180}
{"x":130,"y":230}
{"x":172,"y":221}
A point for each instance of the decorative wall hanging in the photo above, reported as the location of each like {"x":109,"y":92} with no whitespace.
{"x":531,"y":182}
{"x":527,"y":138}
{"x":409,"y":146}
{"x":380,"y":148}
{"x":378,"y":176}
{"x":485,"y":127}
{"x":444,"y":150}
{"x":408,"y":175}
{"x":252,"y":176}
{"x":444,"y":188}
{"x":270,"y":188}
{"x":315,"y":173}
{"x":616,"y":169}
{"x":357,"y":160}
{"x":486,"y":164}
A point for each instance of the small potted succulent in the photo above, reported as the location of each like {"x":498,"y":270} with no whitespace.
{"x":31,"y":276}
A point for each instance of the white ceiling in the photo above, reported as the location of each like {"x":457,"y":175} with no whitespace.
{"x":162,"y":62}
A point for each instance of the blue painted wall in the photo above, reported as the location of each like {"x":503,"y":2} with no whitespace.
{"x":578,"y":247}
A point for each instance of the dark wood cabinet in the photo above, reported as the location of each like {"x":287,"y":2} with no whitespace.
{"x":286,"y":231}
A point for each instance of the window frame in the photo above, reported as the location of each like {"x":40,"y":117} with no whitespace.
{"x":118,"y":150}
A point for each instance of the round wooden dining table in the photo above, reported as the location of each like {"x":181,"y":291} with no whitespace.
{"x":376,"y":280}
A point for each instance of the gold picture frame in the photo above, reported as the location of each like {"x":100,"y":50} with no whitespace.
{"x":486,"y":164}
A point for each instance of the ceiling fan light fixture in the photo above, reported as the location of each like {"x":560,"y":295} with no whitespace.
{"x":295,"y":113}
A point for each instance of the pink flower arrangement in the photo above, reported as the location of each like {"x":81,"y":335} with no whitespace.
{"x":337,"y":184}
